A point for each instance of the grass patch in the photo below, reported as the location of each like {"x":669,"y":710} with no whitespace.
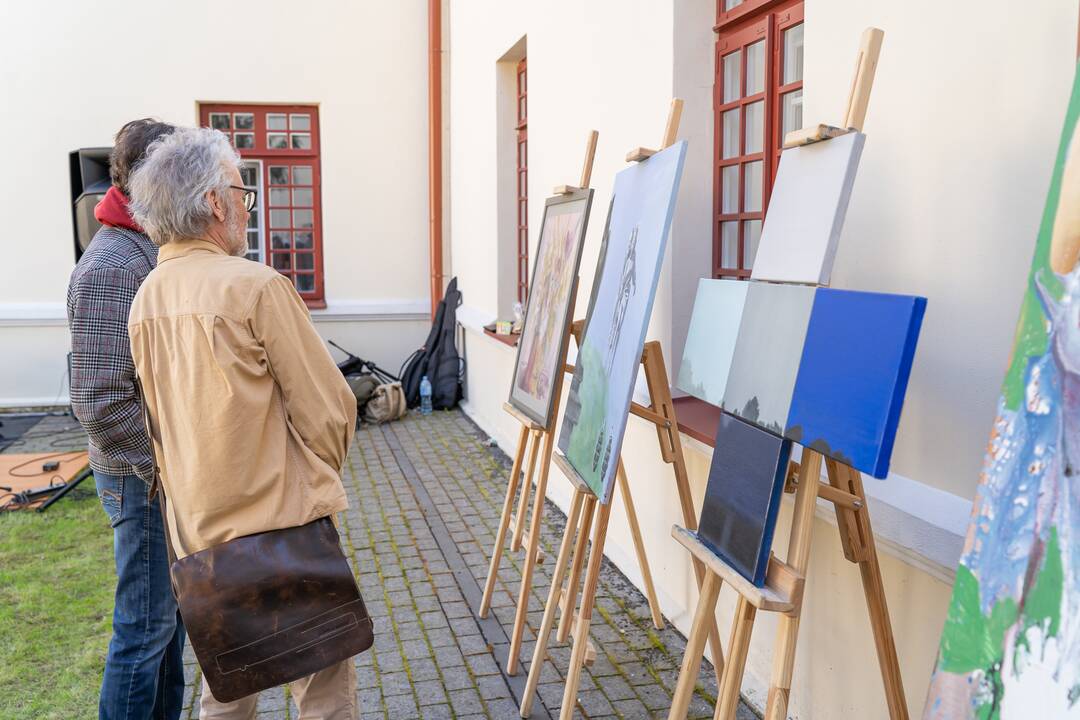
{"x":57,"y":580}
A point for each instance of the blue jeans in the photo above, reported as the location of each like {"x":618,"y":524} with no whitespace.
{"x":144,"y":670}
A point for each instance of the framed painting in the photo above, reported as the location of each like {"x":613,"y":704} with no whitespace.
{"x":643,"y":200}
{"x":548,"y":311}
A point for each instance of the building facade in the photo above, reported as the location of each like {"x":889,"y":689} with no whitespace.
{"x":961,"y":132}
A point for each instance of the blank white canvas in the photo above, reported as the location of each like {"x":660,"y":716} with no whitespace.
{"x":806,"y":211}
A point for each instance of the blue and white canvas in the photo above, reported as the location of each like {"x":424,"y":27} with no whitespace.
{"x":826,"y":368}
{"x":853,"y":375}
{"x":623,"y":290}
{"x":710,"y":342}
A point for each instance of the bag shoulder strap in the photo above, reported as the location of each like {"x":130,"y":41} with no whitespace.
{"x":156,"y":488}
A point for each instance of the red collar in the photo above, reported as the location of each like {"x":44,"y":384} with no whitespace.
{"x":113,"y":211}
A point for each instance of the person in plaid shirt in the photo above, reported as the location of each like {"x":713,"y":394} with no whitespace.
{"x":144,"y":669}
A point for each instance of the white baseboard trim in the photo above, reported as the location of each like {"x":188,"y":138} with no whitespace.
{"x":351,"y":310}
{"x":52,"y":314}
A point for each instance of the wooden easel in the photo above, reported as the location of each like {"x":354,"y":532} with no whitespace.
{"x":531,"y":430}
{"x":584,"y":514}
{"x":784,"y":583}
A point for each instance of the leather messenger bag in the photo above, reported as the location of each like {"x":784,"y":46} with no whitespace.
{"x":266,"y":609}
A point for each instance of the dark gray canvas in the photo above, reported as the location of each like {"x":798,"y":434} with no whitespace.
{"x":742,"y":497}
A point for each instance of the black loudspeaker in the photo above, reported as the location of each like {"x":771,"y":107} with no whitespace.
{"x":90,"y":181}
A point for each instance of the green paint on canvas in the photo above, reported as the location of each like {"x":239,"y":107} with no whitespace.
{"x":591,"y":421}
{"x":1031,"y":331}
{"x":1042,"y":604}
{"x":970,"y":640}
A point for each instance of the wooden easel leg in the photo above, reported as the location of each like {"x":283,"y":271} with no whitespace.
{"x":639,"y":547}
{"x":540,"y":653}
{"x":504,"y":522}
{"x":569,"y":599}
{"x":588,"y":598}
{"x":874,"y":589}
{"x":671,"y":451}
{"x":530,"y":555}
{"x":526,"y":488}
{"x":802,"y":525}
{"x":728,"y":702}
{"x":704,"y":617}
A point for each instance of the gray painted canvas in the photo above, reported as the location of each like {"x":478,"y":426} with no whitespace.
{"x":807,"y":207}
{"x":767,"y":353}
{"x":710,"y":341}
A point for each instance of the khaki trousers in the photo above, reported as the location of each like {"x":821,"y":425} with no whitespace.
{"x":329,"y":694}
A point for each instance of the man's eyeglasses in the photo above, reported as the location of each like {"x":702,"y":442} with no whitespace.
{"x":249,"y":196}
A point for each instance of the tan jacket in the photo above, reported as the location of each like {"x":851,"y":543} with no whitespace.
{"x":251,"y":418}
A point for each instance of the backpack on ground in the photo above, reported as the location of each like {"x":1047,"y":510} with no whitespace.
{"x":438,"y":358}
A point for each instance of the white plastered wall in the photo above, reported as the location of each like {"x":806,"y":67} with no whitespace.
{"x":71,"y":73}
{"x":962,"y":130}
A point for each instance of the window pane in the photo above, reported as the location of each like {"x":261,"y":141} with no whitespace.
{"x":253,"y":241}
{"x":299,"y":121}
{"x":751,"y":235}
{"x":279,"y":240}
{"x":729,"y":179}
{"x":249,"y":175}
{"x":305,"y":261}
{"x":275,"y":121}
{"x":253,"y":220}
{"x":755,"y":126}
{"x":732,"y":73}
{"x":244,"y":121}
{"x":792,"y":113}
{"x":301,"y":141}
{"x":301,"y":197}
{"x":793,"y":54}
{"x":282,"y":261}
{"x":729,"y":245}
{"x":755,"y":67}
{"x":244,"y":140}
{"x":731,"y":134}
{"x":252,"y":255}
{"x":277,"y":141}
{"x":752,"y":188}
{"x":303,"y":218}
{"x":728,"y":4}
{"x":219,"y":121}
{"x":279,"y":218}
{"x":301,"y":175}
{"x":279,"y":175}
{"x":305,"y":283}
{"x":302,"y":240}
{"x":279,"y":196}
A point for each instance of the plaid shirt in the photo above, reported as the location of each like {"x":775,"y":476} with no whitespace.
{"x":103,"y":394}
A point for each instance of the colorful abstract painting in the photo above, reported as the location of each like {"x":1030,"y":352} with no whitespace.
{"x":643,"y":200}
{"x":826,"y":368}
{"x":542,"y":346}
{"x":742,"y":497}
{"x":1010,"y":648}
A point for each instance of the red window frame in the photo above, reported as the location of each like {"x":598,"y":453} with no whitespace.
{"x":522,"y":175}
{"x":288,"y":250}
{"x":741,"y":26}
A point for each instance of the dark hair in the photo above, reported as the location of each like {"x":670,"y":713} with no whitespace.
{"x":131,"y":143}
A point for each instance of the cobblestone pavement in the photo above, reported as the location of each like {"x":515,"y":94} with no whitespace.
{"x":425,"y":495}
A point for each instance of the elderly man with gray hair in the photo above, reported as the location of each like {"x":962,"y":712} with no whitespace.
{"x":252,"y":419}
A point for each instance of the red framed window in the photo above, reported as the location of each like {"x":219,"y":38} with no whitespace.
{"x":522,"y":183}
{"x":279,"y":148}
{"x":757,"y":99}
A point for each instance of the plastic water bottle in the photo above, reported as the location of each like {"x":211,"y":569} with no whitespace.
{"x":425,"y":396}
